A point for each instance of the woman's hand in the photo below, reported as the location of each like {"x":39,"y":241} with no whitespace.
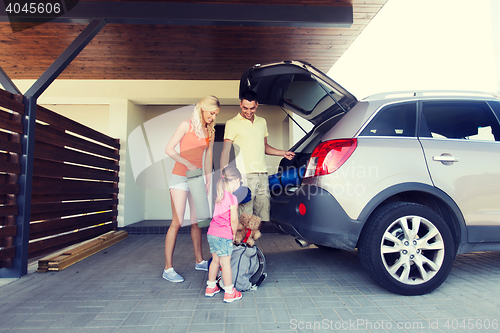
{"x":191,"y":166}
{"x":207,"y":187}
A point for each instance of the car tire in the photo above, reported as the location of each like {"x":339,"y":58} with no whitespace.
{"x":407,"y":248}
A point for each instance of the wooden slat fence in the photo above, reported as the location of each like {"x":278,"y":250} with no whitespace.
{"x":75,"y":183}
{"x":11,"y":129}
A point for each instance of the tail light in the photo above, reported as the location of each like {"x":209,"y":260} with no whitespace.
{"x":328,"y":156}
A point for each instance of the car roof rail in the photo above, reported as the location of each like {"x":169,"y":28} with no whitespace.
{"x":431,"y":93}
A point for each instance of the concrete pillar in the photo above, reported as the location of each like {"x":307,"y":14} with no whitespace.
{"x":125,"y":116}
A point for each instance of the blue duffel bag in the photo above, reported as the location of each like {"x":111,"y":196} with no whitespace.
{"x":289,"y":177}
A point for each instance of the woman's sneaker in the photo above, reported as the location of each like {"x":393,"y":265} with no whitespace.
{"x":236,"y":295}
{"x":210,"y":292}
{"x":172,"y":276}
{"x":202,"y":266}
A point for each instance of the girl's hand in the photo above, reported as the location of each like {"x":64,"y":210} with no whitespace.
{"x":234,"y":219}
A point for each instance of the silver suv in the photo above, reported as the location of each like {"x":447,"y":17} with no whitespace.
{"x":410,"y":179}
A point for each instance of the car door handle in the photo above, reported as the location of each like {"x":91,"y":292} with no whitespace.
{"x":445,"y":158}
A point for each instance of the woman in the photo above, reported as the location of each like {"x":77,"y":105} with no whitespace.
{"x":195,"y":136}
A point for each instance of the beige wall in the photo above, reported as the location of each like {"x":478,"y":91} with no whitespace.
{"x":134,"y":203}
{"x":93,"y":116}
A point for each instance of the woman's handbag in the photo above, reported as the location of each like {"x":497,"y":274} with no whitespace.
{"x":196,"y":186}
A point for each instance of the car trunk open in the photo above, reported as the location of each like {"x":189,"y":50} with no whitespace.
{"x":298,"y":87}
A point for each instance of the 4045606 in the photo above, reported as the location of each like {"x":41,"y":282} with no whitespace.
{"x":34,"y":7}
{"x":471,"y":324}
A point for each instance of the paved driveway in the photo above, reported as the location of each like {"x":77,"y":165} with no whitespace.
{"x":120,"y":289}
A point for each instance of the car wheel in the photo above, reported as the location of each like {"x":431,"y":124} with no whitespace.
{"x":407,"y":248}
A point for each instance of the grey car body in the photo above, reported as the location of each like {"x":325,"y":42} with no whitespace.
{"x":411,"y":179}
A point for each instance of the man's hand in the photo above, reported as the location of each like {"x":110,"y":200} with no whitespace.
{"x":289,"y":155}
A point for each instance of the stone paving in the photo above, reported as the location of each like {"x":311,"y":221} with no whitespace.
{"x":120,"y":289}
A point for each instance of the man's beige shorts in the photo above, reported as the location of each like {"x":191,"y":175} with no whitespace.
{"x":259,"y":205}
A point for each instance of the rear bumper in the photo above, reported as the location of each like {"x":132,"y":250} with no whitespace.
{"x":324,"y":222}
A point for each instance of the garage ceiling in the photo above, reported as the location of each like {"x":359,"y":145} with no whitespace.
{"x":180,"y":52}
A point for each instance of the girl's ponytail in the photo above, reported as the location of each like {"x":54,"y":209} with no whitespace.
{"x":229,"y":173}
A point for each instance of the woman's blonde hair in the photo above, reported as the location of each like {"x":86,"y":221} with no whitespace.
{"x":229,"y":173}
{"x":208,"y":103}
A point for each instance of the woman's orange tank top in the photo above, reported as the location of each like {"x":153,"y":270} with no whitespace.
{"x":191,"y":148}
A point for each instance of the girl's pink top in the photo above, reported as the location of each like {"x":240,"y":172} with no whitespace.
{"x":221,"y":222}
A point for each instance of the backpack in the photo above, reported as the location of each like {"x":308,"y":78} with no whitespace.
{"x":248,"y":266}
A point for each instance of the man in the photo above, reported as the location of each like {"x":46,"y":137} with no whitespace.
{"x":248,"y":133}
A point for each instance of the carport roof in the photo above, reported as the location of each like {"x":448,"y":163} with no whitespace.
{"x":156,"y":46}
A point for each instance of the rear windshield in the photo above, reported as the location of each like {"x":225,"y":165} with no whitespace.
{"x":305,"y":94}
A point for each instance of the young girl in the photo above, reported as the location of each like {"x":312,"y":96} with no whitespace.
{"x":221,"y":233}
